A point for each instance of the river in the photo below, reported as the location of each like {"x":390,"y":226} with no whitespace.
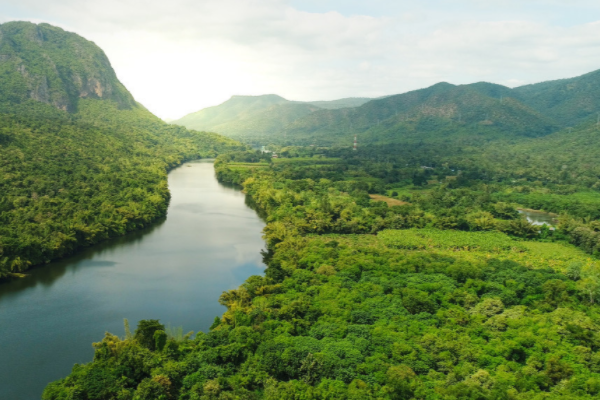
{"x":174,"y":271}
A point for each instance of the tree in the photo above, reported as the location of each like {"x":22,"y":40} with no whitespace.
{"x":145,"y":331}
{"x":401,"y":379}
{"x":589,"y":285}
{"x":160,"y":339}
{"x":156,"y":388}
{"x":555,"y":292}
{"x":417,"y":301}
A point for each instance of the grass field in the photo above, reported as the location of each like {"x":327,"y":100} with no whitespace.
{"x":390,"y":201}
{"x":305,"y":161}
{"x":472,"y":247}
{"x":420,"y":239}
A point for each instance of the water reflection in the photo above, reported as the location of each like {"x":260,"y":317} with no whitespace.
{"x":46,"y":275}
{"x":539,"y":217}
{"x":174,"y":271}
{"x":252,"y":205}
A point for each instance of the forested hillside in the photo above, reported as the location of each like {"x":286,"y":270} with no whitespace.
{"x":568,"y":101}
{"x":459,"y":115}
{"x":257,"y":119}
{"x":441,"y":112}
{"x":46,"y":64}
{"x":80,"y":160}
{"x":348,"y":102}
{"x":238,"y":107}
{"x":257,"y":127}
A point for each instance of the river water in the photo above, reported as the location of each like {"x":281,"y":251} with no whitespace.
{"x":174,"y":271}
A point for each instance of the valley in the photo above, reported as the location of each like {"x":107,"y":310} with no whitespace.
{"x":50,"y":318}
{"x":451,"y":254}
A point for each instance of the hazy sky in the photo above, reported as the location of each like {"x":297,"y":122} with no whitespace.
{"x":179,"y":56}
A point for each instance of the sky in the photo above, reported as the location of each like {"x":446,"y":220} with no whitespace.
{"x":180,"y":56}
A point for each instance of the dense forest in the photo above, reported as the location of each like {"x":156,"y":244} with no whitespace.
{"x":382,"y":283}
{"x":80,"y":160}
{"x":401,"y":270}
{"x":74,"y":180}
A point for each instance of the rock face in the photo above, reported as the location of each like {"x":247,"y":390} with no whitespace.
{"x":47,"y":64}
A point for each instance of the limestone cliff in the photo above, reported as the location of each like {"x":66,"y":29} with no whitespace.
{"x":47,"y":64}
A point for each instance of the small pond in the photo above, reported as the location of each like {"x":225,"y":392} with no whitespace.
{"x":540,"y":217}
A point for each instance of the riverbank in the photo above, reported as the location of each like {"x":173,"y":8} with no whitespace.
{"x":358,"y":304}
{"x":174,"y":270}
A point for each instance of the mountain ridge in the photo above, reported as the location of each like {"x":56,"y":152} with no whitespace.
{"x":240,"y":116}
{"x":528,"y":111}
{"x":569,"y":100}
{"x":48,"y":64}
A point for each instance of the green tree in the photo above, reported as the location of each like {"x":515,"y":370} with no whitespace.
{"x":145,"y":332}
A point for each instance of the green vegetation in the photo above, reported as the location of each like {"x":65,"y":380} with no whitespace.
{"x":420,"y":239}
{"x":46,"y":64}
{"x":401,"y":271}
{"x":447,"y":113}
{"x":73,"y":178}
{"x":257,"y":119}
{"x":452,"y":296}
{"x":460,"y":116}
{"x":570,"y":101}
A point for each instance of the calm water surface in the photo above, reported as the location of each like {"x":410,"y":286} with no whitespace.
{"x":174,"y":271}
{"x":540,"y":217}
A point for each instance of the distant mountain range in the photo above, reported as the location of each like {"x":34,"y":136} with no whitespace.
{"x":259,"y":117}
{"x":443,"y":111}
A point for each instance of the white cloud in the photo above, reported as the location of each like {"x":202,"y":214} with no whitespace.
{"x":182,"y":55}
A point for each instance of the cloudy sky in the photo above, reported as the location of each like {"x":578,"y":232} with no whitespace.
{"x":179,"y":56}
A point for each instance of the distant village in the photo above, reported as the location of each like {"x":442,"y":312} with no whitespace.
{"x":273,"y":154}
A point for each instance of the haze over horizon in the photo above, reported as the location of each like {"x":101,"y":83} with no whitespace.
{"x":182,"y":56}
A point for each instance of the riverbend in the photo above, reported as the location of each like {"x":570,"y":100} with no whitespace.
{"x":174,"y":271}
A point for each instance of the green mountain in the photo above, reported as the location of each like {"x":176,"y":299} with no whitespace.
{"x":481,"y":112}
{"x":348,"y":102}
{"x":256,"y":119}
{"x":238,"y":107}
{"x":247,"y":117}
{"x":261,"y":126}
{"x":80,"y":160}
{"x":569,"y":156}
{"x":442,"y":111}
{"x":42,"y":63}
{"x":567,"y":101}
